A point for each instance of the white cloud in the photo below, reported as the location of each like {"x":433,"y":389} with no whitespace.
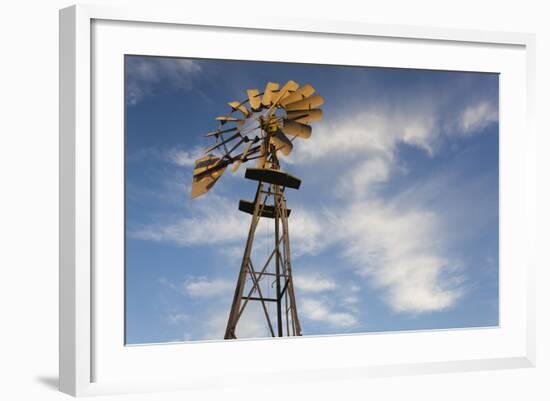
{"x":196,"y":287}
{"x":232,"y":254}
{"x":214,"y":220}
{"x":478,"y":116}
{"x":305,"y":231}
{"x":176,"y":318}
{"x":252,"y":324}
{"x":371,"y":133}
{"x":185,"y":158}
{"x":317,"y":310}
{"x":399,"y":250}
{"x":143,"y":73}
{"x":200,"y":287}
{"x":361,"y":178}
{"x":376,"y":132}
{"x":181,"y":157}
{"x":313,"y":282}
{"x":210,"y":221}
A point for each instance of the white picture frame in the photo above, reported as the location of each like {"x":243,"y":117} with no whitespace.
{"x":82,"y":344}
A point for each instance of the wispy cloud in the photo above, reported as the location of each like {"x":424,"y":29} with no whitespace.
{"x":477,"y":117}
{"x":211,"y":221}
{"x":214,"y":220}
{"x":184,"y":158}
{"x":306,"y":231}
{"x":363,"y":177}
{"x":372,"y":133}
{"x":376,"y":132}
{"x":401,"y":251}
{"x":318,"y":310}
{"x":142,"y":74}
{"x":200,"y":287}
{"x":196,"y":287}
{"x":177,"y":318}
{"x":313,"y":282}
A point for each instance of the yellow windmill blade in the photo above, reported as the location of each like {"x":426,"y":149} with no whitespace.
{"x":308,"y":103}
{"x":254,"y":99}
{"x":293,"y":128}
{"x":243,"y":157}
{"x":287,"y":88}
{"x":204,"y":184}
{"x":225,"y":119}
{"x":203,"y":180}
{"x":281,"y":142}
{"x":300,"y":93}
{"x":239,"y":106}
{"x":305,"y":116}
{"x":267,"y":98}
{"x":204,"y":163}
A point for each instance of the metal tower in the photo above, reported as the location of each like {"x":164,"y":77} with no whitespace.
{"x":268,"y":124}
{"x":270,"y":203}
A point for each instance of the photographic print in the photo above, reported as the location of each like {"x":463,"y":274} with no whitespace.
{"x":271,"y":199}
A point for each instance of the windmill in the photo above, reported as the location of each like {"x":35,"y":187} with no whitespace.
{"x":260,"y":128}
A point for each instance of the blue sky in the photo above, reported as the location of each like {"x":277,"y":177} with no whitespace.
{"x":395,"y":226}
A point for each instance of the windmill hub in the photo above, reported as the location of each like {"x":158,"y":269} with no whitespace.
{"x":258,"y":128}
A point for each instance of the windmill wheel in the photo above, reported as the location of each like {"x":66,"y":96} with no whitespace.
{"x":257,"y":128}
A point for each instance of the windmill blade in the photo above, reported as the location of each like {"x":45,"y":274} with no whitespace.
{"x":225,"y":119}
{"x":239,"y":106}
{"x":204,"y":163}
{"x":305,"y":116}
{"x":242,"y":158}
{"x":306,"y":104}
{"x":281,"y":142}
{"x":254,"y":99}
{"x":203,"y":182}
{"x":223,"y":131}
{"x":217,"y":145}
{"x":300,"y":93}
{"x":293,"y":128}
{"x":268,"y":93}
{"x":289,"y":87}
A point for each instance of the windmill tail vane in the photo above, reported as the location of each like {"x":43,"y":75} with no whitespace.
{"x":260,"y":128}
